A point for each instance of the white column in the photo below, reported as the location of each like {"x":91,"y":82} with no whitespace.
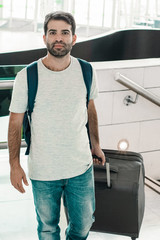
{"x":11,"y":12}
{"x":104,"y":5}
{"x":118,"y":13}
{"x":1,"y":9}
{"x":88,"y":19}
{"x":35,"y":15}
{"x":147,"y":11}
{"x":26,"y":6}
{"x":72,"y":6}
{"x":156,"y":8}
{"x":66,"y":5}
{"x":125,"y":10}
{"x":113,"y":14}
{"x":131,"y":13}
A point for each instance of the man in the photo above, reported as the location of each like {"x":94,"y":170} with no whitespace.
{"x":60,"y":159}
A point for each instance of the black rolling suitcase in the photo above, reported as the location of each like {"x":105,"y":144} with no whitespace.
{"x":119,"y":189}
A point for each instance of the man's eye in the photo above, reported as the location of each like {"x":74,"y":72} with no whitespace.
{"x":52,"y":33}
{"x":66,"y":33}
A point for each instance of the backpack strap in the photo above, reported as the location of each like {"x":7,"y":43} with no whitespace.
{"x":32,"y":82}
{"x":87,"y":75}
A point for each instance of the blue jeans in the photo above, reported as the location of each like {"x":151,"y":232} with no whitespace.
{"x":79,"y":201}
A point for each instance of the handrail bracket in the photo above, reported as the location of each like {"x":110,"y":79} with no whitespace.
{"x":129,"y":99}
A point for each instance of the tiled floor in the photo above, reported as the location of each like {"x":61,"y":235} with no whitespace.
{"x":18,"y":221}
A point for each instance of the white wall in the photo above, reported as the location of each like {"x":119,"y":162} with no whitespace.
{"x":138,"y":123}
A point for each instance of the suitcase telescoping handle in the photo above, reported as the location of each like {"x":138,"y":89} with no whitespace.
{"x":108,"y":173}
{"x":107,"y":165}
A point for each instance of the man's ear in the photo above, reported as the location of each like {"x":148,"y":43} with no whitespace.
{"x":74,"y":39}
{"x":44,"y":39}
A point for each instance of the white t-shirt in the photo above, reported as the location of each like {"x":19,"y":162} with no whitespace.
{"x":59,"y":140}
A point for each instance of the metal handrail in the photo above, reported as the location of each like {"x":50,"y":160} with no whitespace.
{"x":137,"y":88}
{"x":4,"y":145}
{"x":6,"y":84}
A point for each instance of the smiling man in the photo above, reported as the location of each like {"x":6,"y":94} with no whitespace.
{"x":60,"y":159}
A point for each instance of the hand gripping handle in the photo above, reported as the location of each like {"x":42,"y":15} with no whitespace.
{"x":107,"y":165}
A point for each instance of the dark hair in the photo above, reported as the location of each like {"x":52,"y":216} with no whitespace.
{"x":60,"y":15}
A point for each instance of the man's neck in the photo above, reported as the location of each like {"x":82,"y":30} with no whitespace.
{"x":56,"y":64}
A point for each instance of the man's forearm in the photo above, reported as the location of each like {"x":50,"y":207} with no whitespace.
{"x":93,"y":125}
{"x":94,"y":134}
{"x":14,"y":141}
{"x":17,"y":174}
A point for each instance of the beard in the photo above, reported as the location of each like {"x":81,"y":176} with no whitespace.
{"x":59,"y":52}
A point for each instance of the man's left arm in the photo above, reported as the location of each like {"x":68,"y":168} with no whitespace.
{"x":94,"y":134}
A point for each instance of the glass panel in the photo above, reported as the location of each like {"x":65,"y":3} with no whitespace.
{"x":5,"y":98}
{"x":9,"y":72}
{"x":6,"y":73}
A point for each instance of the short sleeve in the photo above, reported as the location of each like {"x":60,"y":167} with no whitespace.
{"x":20,"y":93}
{"x":94,"y":86}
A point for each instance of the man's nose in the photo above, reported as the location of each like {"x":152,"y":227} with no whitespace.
{"x":58,"y":37}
